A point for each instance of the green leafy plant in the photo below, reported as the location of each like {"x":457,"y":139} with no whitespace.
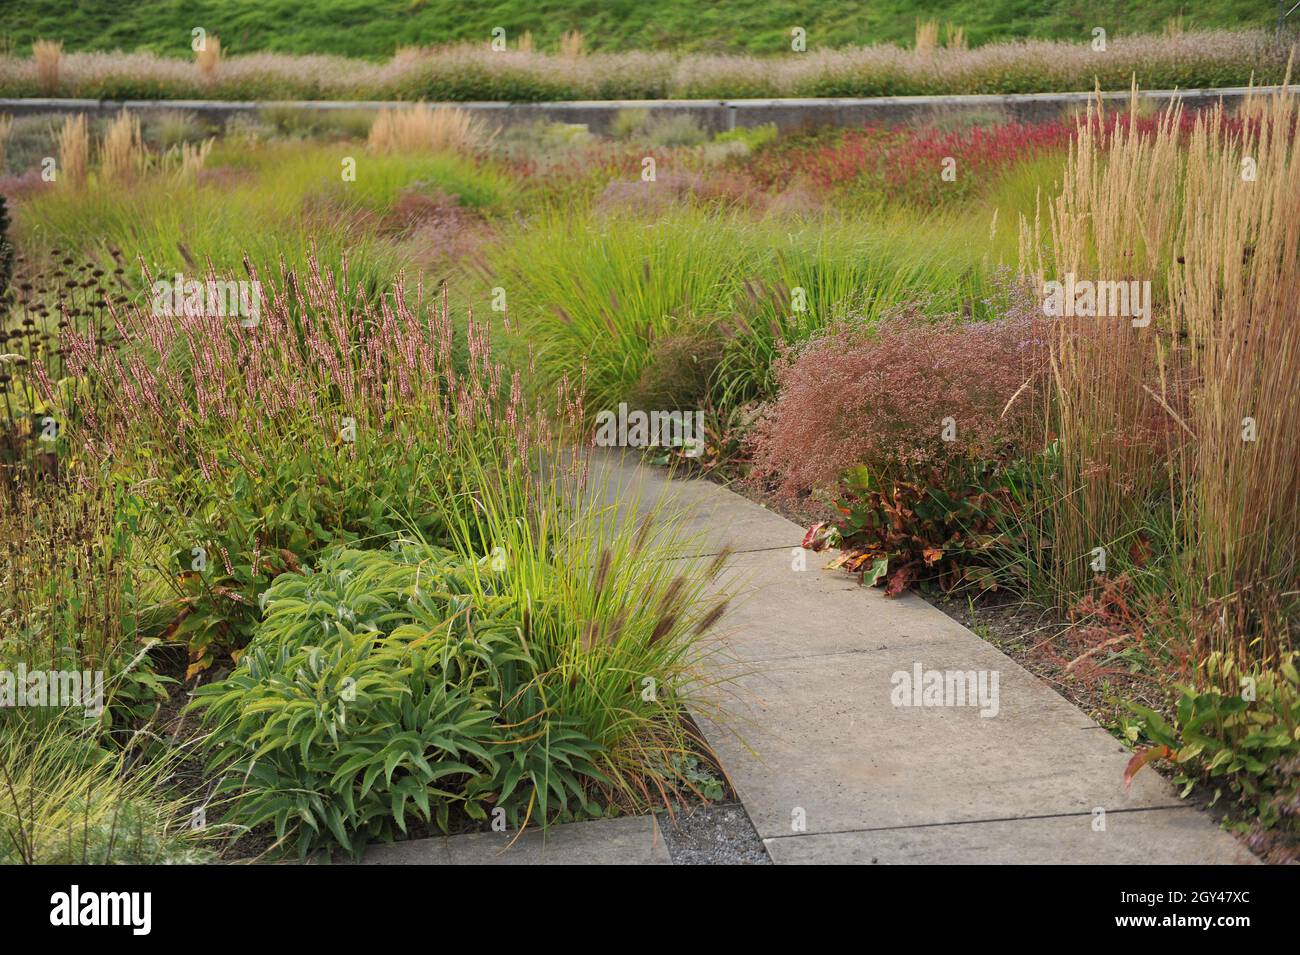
{"x":373,"y":691}
{"x":1238,"y":740}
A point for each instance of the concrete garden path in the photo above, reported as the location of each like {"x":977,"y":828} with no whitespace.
{"x":831,"y":771}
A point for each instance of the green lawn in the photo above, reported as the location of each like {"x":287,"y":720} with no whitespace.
{"x":376,"y":27}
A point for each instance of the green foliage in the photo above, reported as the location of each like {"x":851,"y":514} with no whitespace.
{"x":276,"y":499}
{"x":375,"y":689}
{"x":67,"y":800}
{"x":377,"y":28}
{"x":78,"y":595}
{"x":657,"y":130}
{"x":752,"y":136}
{"x":605,"y":299}
{"x":324,"y":123}
{"x":283,"y":200}
{"x":1240,"y":740}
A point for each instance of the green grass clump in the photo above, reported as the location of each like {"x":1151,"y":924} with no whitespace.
{"x":67,"y":800}
{"x":280,"y":200}
{"x":601,"y":299}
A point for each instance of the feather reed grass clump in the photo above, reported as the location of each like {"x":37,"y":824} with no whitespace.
{"x":122,"y":154}
{"x":927,"y":36}
{"x":74,"y":151}
{"x":422,"y":128}
{"x":208,"y":58}
{"x":6,"y":129}
{"x":48,"y":56}
{"x":571,"y":44}
{"x":1233,"y":295}
{"x":1184,"y":428}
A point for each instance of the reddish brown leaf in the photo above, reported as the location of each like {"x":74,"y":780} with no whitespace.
{"x":1141,"y":758}
{"x":170,"y":630}
{"x":1139,"y":552}
{"x":899,"y":581}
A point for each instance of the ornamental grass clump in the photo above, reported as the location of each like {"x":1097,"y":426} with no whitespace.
{"x":66,"y":800}
{"x":74,"y":151}
{"x":422,"y":129}
{"x":48,"y":55}
{"x":208,"y":57}
{"x":122,"y":154}
{"x":1187,"y":414}
{"x":908,"y":393}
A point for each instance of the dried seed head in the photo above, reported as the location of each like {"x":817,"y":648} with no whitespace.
{"x":642,"y":533}
{"x":602,"y":571}
{"x":712,"y":617}
{"x":673,"y":593}
{"x":718,"y":563}
{"x":662,"y":628}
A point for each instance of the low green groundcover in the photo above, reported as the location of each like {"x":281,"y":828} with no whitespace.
{"x":386,"y":684}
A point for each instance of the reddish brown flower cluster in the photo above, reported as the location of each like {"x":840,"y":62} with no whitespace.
{"x":911,"y":392}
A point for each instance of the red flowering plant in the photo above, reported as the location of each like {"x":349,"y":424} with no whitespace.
{"x":905,"y":162}
{"x":926,"y":165}
{"x":920,"y":426}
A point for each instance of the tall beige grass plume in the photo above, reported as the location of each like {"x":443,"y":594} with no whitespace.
{"x":422,"y":128}
{"x":927,"y":36}
{"x":6,"y":128}
{"x":121,"y":152}
{"x":571,"y":43}
{"x":186,"y":160}
{"x":48,"y":55}
{"x":74,"y":150}
{"x":954,"y":37}
{"x":208,"y":57}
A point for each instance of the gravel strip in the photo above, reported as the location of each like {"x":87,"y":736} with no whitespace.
{"x":713,"y":835}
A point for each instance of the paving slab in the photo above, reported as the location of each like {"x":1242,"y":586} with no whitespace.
{"x":1148,"y":837}
{"x":631,"y":840}
{"x":818,"y":741}
{"x":786,"y":604}
{"x":703,"y":510}
{"x":806,"y":718}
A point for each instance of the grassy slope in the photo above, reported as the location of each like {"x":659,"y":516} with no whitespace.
{"x":375,"y":27}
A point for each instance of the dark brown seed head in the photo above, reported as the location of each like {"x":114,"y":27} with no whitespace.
{"x":662,"y":628}
{"x":711,"y":618}
{"x":718,"y":563}
{"x":602,"y":571}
